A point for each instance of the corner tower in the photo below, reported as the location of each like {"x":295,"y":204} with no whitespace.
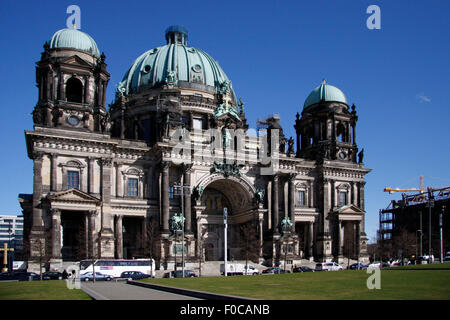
{"x":327,"y":128}
{"x":326,"y":134}
{"x":72,"y":79}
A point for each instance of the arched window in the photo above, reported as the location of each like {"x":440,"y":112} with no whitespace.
{"x":340,"y":132}
{"x":74,"y":90}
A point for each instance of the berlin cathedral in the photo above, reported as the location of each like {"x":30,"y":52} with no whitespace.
{"x":109,"y":181}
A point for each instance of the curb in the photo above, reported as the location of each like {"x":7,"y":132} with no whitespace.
{"x":187,"y":292}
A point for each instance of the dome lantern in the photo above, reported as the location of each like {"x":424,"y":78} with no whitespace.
{"x":176,"y":35}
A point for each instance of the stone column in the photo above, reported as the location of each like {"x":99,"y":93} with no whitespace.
{"x":291,"y":197}
{"x":275,"y":203}
{"x":119,"y":183}
{"x":53,"y":172}
{"x":326,"y":205}
{"x":361,"y":194}
{"x":311,"y":239}
{"x":357,"y":237}
{"x":354,"y":132}
{"x":107,"y":234}
{"x":119,"y":237}
{"x":62,"y":91}
{"x":91,"y":234}
{"x":341,"y":238}
{"x":165,"y":195}
{"x":187,"y":198}
{"x":86,"y":90}
{"x":354,"y":194}
{"x":37,"y":189}
{"x":100,"y":92}
{"x":56,"y":233}
{"x":91,"y":161}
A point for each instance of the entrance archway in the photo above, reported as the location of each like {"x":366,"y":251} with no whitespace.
{"x":237,"y":195}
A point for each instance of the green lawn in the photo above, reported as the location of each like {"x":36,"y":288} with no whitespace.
{"x":40,"y":290}
{"x":341,"y":285}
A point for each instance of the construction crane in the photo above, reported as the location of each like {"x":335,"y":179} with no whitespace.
{"x":392,"y":190}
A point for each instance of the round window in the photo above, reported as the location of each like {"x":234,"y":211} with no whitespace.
{"x":147,"y":68}
{"x":73,"y":120}
{"x":197,"y":68}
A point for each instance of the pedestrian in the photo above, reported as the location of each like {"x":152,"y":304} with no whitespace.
{"x":64,"y":274}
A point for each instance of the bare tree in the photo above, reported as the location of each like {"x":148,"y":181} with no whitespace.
{"x":151,"y":238}
{"x":249,"y":242}
{"x":40,"y":250}
{"x":404,"y":243}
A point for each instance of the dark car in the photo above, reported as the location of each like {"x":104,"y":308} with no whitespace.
{"x":52,"y":275}
{"x":302,"y":269}
{"x":355,"y":266}
{"x":275,"y":270}
{"x":187,"y":274}
{"x":179,"y":274}
{"x":134,"y":275}
{"x":25,"y":276}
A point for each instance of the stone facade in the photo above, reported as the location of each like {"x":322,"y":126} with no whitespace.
{"x":105,"y":180}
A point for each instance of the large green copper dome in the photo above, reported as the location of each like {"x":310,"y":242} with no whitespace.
{"x":178,"y":63}
{"x":325,"y":92}
{"x":74,"y":39}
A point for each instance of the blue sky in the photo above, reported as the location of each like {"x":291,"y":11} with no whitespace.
{"x":275,"y":53}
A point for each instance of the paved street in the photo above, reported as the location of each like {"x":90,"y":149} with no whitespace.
{"x":123,"y":291}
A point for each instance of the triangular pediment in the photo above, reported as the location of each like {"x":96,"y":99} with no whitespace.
{"x":75,"y":60}
{"x":72,"y":195}
{"x":349,"y":209}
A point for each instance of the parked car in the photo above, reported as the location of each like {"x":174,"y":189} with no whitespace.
{"x":179,"y":274}
{"x":238,"y":269}
{"x":328,"y":266}
{"x":275,"y":270}
{"x":395,"y":263}
{"x":25,"y":276}
{"x":134,"y":275}
{"x":378,"y":265}
{"x":88,"y":276}
{"x":302,"y":269}
{"x":447,"y":257}
{"x":52,"y":275}
{"x":355,"y":266}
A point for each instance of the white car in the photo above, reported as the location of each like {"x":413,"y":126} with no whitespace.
{"x":378,"y":265}
{"x":328,"y":266}
{"x":374,"y":265}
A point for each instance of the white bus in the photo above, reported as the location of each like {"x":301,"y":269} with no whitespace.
{"x":115,"y":267}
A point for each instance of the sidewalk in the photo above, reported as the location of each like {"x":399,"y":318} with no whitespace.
{"x":122,"y":291}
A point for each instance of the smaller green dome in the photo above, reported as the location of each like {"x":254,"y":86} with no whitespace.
{"x":325,"y":92}
{"x":74,"y":39}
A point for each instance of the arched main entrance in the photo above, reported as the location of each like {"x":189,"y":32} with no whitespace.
{"x":237,"y":195}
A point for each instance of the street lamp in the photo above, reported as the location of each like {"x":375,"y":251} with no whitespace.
{"x":430,"y":204}
{"x":180,"y":190}
{"x":440,"y":233}
{"x":225,"y":217}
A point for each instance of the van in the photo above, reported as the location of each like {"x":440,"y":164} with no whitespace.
{"x":328,"y":266}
